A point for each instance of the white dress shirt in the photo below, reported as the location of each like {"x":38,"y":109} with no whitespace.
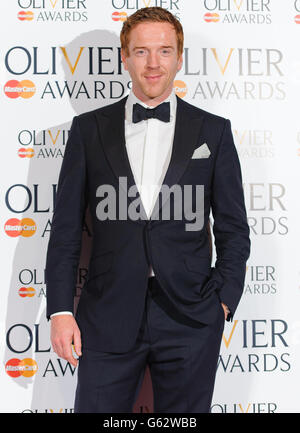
{"x":149,"y":147}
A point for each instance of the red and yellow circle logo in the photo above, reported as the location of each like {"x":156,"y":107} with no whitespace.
{"x":119,"y":16}
{"x":26,"y":367}
{"x":211,"y":17}
{"x":26,"y":153}
{"x":180,"y":88}
{"x":26,"y":292}
{"x":25,"y":16}
{"x":24,"y":89}
{"x":25,"y":227}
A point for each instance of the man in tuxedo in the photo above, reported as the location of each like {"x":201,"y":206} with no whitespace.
{"x":151,"y":296}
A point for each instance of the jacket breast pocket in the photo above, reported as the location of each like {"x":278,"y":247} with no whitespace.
{"x":98,"y":270}
{"x":198,"y":171}
{"x":203,"y":163}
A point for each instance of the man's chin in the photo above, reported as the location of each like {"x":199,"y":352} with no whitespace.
{"x":155,"y":93}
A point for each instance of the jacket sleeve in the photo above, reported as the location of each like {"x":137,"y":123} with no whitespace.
{"x":231,"y":230}
{"x":64,"y":245}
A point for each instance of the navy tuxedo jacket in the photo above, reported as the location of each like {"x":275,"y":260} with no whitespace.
{"x":111,"y":305}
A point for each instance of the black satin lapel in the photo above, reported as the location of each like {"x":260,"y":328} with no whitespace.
{"x":187,"y":129}
{"x":112,"y":131}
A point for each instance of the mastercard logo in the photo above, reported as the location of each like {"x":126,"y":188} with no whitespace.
{"x":25,"y":227}
{"x":26,"y":292}
{"x":25,"y":16}
{"x":297,"y":19}
{"x":24,"y":89}
{"x":180,"y":88}
{"x":119,"y":16}
{"x":21,"y":367}
{"x":26,"y":153}
{"x":211,"y":17}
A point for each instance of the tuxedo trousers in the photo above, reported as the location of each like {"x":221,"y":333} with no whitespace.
{"x":182,"y":356}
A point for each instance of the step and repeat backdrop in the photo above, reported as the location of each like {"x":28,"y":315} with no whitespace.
{"x":60,"y":58}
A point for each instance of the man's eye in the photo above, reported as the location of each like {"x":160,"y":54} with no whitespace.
{"x":166,"y":52}
{"x":140,"y":52}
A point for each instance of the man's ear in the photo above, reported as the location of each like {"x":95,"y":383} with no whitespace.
{"x":123,"y":58}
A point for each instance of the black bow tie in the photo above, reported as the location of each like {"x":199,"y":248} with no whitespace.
{"x":161,"y":112}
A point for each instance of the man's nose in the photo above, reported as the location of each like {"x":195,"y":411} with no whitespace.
{"x":152,"y":60}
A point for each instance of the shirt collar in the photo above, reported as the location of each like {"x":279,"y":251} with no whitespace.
{"x":132,"y":99}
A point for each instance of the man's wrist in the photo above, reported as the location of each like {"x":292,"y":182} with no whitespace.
{"x":60,"y":313}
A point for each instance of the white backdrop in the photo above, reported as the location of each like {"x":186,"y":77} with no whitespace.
{"x":59,"y":58}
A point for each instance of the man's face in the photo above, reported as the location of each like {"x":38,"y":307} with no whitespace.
{"x":152,"y":61}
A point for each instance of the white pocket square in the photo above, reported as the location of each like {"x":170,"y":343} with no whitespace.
{"x":201,"y":152}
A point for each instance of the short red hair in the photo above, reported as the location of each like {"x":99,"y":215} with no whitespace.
{"x":150,"y":14}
